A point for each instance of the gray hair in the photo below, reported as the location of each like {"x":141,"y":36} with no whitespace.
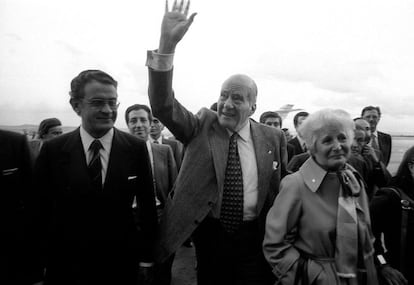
{"x":314,"y":126}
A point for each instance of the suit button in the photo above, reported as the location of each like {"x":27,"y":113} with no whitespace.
{"x":210,"y":203}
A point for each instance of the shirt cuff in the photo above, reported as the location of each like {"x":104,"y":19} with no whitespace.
{"x":158,"y":61}
{"x":146,"y":264}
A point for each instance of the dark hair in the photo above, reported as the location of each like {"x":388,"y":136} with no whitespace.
{"x":214,"y":106}
{"x":78,"y":83}
{"x":296,"y":117}
{"x":370,"y":108}
{"x":137,"y":107}
{"x":46,"y":125}
{"x":403,"y":178}
{"x":270,"y":114}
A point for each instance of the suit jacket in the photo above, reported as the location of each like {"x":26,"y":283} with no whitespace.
{"x":165,"y":170}
{"x":176,"y":149}
{"x":88,"y":235}
{"x":199,"y":184}
{"x":294,"y":148}
{"x":385,"y":145}
{"x":15,"y":179}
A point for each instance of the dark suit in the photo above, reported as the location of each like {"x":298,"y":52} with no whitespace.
{"x":385,"y":145}
{"x":90,"y":237}
{"x":176,"y":149}
{"x":294,"y":148}
{"x":165,"y":173}
{"x":15,"y":178}
{"x":199,"y":184}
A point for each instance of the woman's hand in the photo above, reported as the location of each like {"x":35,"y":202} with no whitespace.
{"x":393,"y":276}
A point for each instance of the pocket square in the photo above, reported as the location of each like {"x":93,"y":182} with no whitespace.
{"x":10,"y":171}
{"x":132,"y":177}
{"x":275,"y":165}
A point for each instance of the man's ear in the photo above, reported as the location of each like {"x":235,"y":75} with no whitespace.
{"x":252,"y":109}
{"x":75,"y":105}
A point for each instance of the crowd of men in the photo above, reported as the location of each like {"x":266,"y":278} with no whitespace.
{"x":101,"y":206}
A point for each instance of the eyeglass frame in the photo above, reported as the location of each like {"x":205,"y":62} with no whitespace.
{"x":100,"y":103}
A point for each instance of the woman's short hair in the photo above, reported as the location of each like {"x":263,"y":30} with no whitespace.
{"x":46,"y":125}
{"x":317,"y":122}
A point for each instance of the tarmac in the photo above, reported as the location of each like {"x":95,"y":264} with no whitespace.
{"x":184,"y":267}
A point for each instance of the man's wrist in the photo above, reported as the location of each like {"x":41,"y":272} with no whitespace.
{"x":158,"y":61}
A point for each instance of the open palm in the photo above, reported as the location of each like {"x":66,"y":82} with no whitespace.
{"x":175,"y":23}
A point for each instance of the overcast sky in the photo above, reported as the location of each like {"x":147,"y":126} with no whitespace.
{"x":313,"y":54}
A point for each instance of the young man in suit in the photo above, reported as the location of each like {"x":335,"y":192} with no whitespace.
{"x":156,"y":137}
{"x":15,"y":179}
{"x":86,"y":181}
{"x":228,"y":157}
{"x":297,"y":144}
{"x":164,"y":170}
{"x":379,"y":141}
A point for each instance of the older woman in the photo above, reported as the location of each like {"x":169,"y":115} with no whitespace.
{"x":392,"y":218}
{"x":317,"y":231}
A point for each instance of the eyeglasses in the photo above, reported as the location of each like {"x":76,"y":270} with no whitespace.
{"x":100,"y":103}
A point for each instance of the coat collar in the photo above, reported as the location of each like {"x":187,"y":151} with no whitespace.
{"x":312,"y":174}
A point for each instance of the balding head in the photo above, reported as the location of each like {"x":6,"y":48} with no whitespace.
{"x":237,"y":102}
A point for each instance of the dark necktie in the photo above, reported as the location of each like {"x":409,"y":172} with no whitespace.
{"x":95,"y":166}
{"x":231,"y":215}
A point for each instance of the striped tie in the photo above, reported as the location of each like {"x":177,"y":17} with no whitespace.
{"x":95,"y":166}
{"x":231,"y":215}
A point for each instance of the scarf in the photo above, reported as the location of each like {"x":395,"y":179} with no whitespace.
{"x":353,"y":232}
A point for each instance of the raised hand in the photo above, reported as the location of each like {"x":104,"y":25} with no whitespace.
{"x":174,"y":25}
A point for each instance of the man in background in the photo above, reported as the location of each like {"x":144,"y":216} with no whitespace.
{"x":379,"y":141}
{"x":272,"y":119}
{"x":138,"y":118}
{"x":297,"y":143}
{"x":156,"y":137}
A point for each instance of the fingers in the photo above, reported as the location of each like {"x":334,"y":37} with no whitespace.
{"x":180,"y":8}
{"x":174,"y":7}
{"x":191,"y":19}
{"x":187,"y":8}
{"x":166,"y":6}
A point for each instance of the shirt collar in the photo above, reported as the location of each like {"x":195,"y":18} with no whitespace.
{"x":244,"y":132}
{"x":87,"y":139}
{"x":375,"y":133}
{"x":149,"y":142}
{"x":312,"y":174}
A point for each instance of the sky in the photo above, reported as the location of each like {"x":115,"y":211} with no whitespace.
{"x":313,"y":54}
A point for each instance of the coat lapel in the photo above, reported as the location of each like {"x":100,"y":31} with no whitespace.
{"x":73,"y":160}
{"x":219,"y":144}
{"x":264,"y":159}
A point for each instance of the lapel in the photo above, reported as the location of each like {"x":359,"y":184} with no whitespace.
{"x":73,"y":160}
{"x":119,"y":160}
{"x":219,"y":145}
{"x":264,"y":160}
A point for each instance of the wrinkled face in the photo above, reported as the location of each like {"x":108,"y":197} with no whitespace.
{"x":98,"y":108}
{"x":332,"y":148}
{"x":273,"y":122}
{"x":364,"y":125}
{"x":234,"y":106}
{"x":359,"y":141}
{"x":53,"y":132}
{"x":139,"y":123}
{"x":156,"y":128}
{"x":372,"y":117}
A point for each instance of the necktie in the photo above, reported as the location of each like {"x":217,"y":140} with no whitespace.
{"x":156,"y":142}
{"x":232,"y":203}
{"x":95,"y":166}
{"x":374,"y":143}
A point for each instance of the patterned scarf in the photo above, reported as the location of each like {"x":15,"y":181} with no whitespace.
{"x":353,"y":232}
